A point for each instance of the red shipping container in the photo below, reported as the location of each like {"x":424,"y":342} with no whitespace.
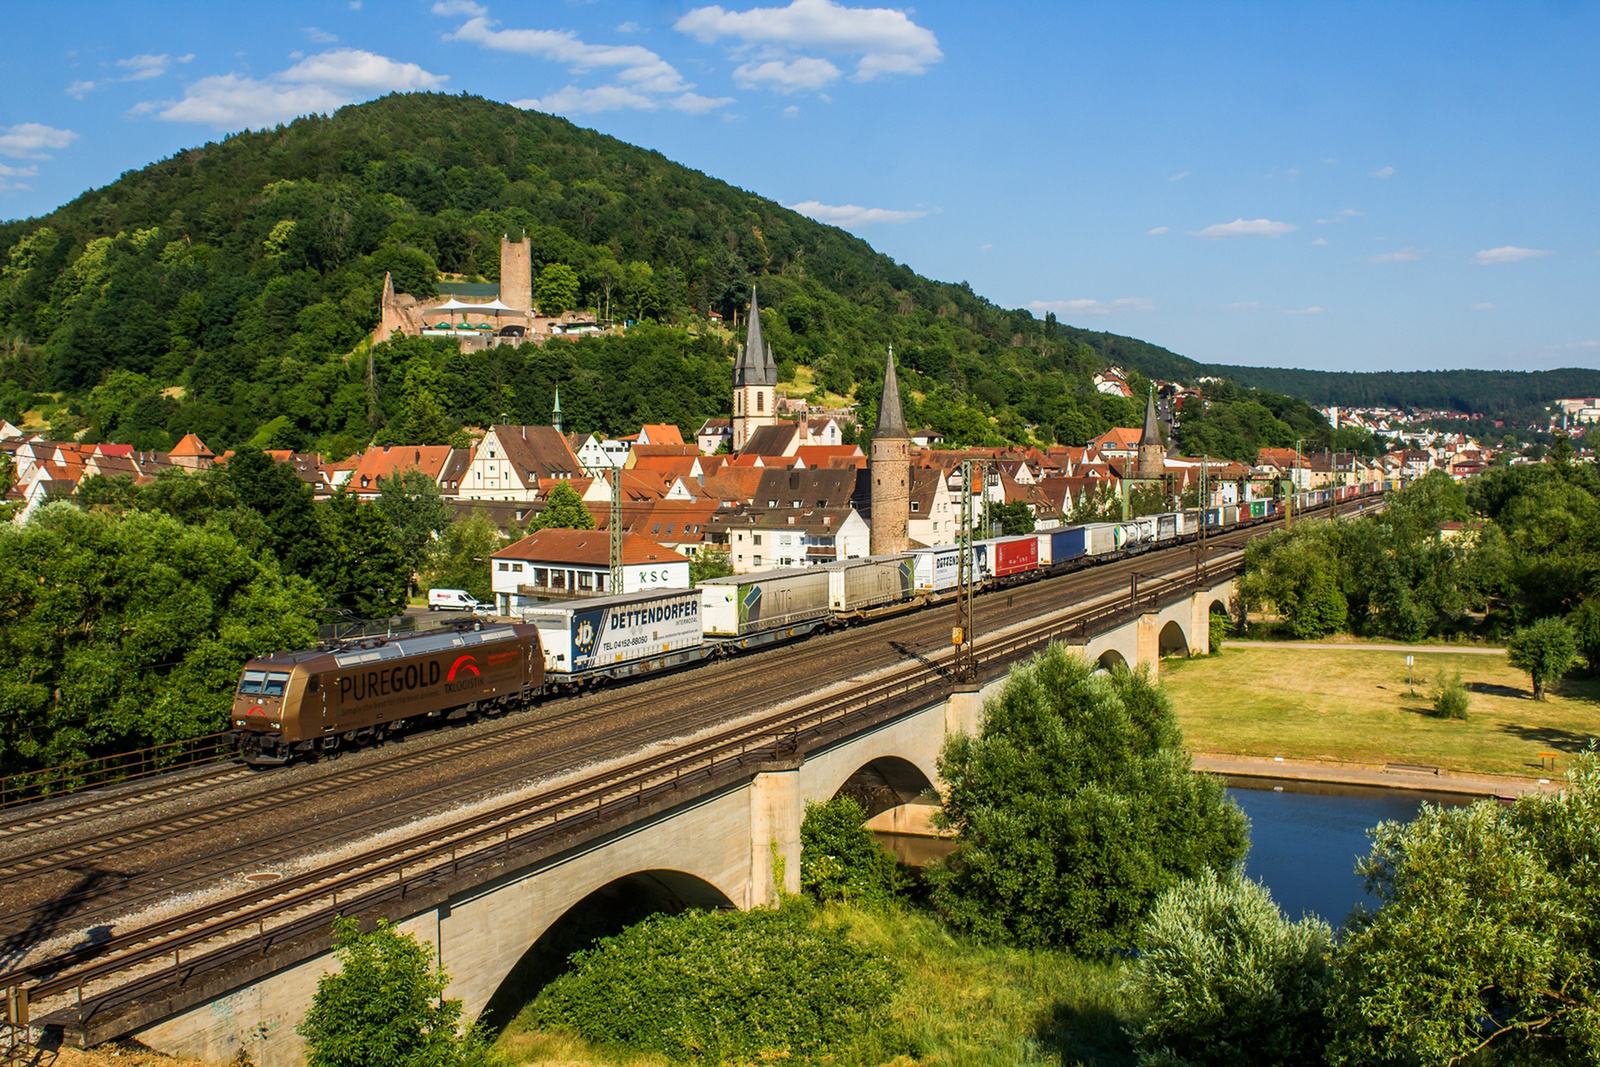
{"x":1014,"y":555}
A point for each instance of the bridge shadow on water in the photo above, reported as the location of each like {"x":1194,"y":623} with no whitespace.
{"x":604,"y":913}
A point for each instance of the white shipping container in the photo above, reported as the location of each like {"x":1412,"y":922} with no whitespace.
{"x":936,"y":569}
{"x":595,"y":633}
{"x":766,"y":600}
{"x":1102,"y":538}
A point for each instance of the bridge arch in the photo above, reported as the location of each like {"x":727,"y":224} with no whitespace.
{"x":1111,"y":659}
{"x":603,"y":912}
{"x":1173,"y":641}
{"x":886,"y":782}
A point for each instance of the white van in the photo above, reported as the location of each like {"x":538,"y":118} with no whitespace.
{"x":451,"y":600}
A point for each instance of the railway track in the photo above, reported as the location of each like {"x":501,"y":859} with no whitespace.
{"x":221,"y":932}
{"x":280,"y":903}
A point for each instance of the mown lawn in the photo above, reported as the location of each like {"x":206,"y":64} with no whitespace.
{"x":1354,"y":704}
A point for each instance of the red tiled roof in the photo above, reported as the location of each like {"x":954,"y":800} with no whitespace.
{"x":588,"y":547}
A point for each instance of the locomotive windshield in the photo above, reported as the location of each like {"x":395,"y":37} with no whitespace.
{"x":263,"y":683}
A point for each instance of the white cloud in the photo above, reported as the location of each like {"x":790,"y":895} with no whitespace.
{"x":1330,"y":161}
{"x":28,"y":140}
{"x":628,"y":27}
{"x":1482,"y":307}
{"x":572,"y":100}
{"x":989,"y":247}
{"x":1400,"y":255}
{"x":1178,"y":177}
{"x":791,"y":111}
{"x":1158,"y":231}
{"x":1321,"y":242}
{"x":1509,"y":254}
{"x":850,"y":215}
{"x":1245,"y":228}
{"x":1092,"y":307}
{"x":140,"y":68}
{"x":885,"y":40}
{"x":637,"y":67}
{"x":320,"y":36}
{"x":1351,"y":212}
{"x":1383,"y":172}
{"x":1243,"y":305}
{"x":78,"y":89}
{"x":1312,"y":310}
{"x":786,"y":75}
{"x":317,"y":84}
{"x":17,"y":172}
{"x":1347,"y":213}
{"x":461,"y":8}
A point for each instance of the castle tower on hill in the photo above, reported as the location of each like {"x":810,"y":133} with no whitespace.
{"x":890,"y":469}
{"x":1152,"y":455}
{"x":516,"y":273}
{"x":755,"y":382}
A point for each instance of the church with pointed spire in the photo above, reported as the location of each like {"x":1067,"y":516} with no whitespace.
{"x":755,"y":382}
{"x":889,"y":467}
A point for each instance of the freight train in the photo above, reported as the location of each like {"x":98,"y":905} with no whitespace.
{"x":295,"y":704}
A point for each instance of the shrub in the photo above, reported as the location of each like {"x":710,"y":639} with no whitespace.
{"x":1450,"y":698}
{"x":840,"y":859}
{"x":1226,"y":979}
{"x":386,"y":1007}
{"x":712,"y":986}
{"x":1220,"y":627}
{"x":1075,"y":808}
{"x":1544,"y":650}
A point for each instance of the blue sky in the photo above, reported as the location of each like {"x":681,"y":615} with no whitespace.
{"x":1361,"y":186}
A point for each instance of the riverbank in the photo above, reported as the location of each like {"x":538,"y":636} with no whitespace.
{"x":1412,"y":778}
{"x":1360,"y":707}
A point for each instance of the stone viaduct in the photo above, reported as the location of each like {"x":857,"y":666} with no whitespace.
{"x":731,"y":846}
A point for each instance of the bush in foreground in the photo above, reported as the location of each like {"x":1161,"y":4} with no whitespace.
{"x":713,"y":986}
{"x":1226,"y":979}
{"x":386,"y":1007}
{"x":1075,"y":808}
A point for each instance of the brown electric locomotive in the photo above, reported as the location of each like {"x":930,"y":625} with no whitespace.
{"x":294,"y":703}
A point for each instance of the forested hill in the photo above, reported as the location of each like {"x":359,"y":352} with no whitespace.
{"x":1498,"y":394}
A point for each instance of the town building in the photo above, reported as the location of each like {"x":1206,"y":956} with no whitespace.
{"x":890,"y":470}
{"x":755,"y":382}
{"x":511,"y":461}
{"x":761,"y":539}
{"x":556,"y":564}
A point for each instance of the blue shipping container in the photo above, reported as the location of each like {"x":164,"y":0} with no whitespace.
{"x":1063,"y":545}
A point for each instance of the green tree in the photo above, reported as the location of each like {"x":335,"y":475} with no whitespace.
{"x":368,"y":577}
{"x":119,"y":631}
{"x":462,"y":561}
{"x":563,"y":509}
{"x":555,"y":291}
{"x":1585,"y":624}
{"x":715,"y":987}
{"x":1448,"y":697}
{"x":1544,"y":650}
{"x":1220,"y":626}
{"x":1484,"y":941}
{"x":1008,"y":519}
{"x":840,"y":859}
{"x":1321,"y":609}
{"x":1075,"y":808}
{"x":385,"y":1007}
{"x":417,"y":514}
{"x":1226,"y":979}
{"x":710,"y":562}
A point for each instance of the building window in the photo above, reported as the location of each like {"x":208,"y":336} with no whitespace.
{"x":755,"y":538}
{"x":516,"y":568}
{"x":505,"y":566}
{"x":755,"y":561}
{"x":541,"y":576}
{"x":761,"y":402}
{"x":916,"y":506}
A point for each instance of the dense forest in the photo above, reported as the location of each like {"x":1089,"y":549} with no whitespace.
{"x":229,"y":290}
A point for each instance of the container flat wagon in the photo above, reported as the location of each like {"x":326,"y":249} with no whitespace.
{"x":618,"y":636}
{"x":861,"y":585}
{"x":1102,"y":537}
{"x":750,"y":609}
{"x":299,"y":703}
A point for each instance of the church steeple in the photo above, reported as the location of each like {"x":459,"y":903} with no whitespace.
{"x":755,"y":380}
{"x":1152,"y":456}
{"x":555,"y":416}
{"x":889,"y":467}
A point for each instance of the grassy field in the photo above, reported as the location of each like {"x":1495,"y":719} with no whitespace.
{"x":961,"y":1006}
{"x":1354,"y":704}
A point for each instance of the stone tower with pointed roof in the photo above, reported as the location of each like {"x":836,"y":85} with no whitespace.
{"x":1152,"y":454}
{"x":890,"y":470}
{"x":755,"y":382}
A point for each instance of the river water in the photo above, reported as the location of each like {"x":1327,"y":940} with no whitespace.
{"x":1305,"y":839}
